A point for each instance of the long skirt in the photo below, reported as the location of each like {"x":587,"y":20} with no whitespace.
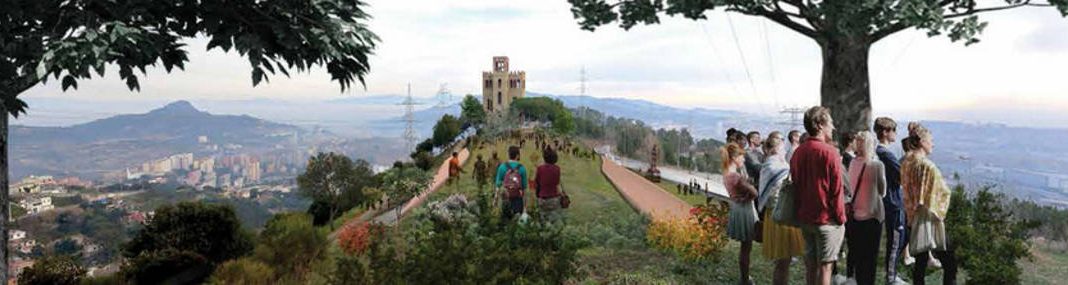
{"x":781,"y":241}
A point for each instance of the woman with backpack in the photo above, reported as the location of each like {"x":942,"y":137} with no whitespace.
{"x":511,"y":181}
{"x":781,"y":242}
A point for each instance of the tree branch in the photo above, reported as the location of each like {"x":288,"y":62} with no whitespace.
{"x":969,"y":12}
{"x":780,"y":18}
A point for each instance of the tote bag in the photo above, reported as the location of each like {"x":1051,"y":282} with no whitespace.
{"x":928,"y":233}
{"x":785,"y":209}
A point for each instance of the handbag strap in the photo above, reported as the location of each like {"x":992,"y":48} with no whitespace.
{"x":856,"y":187}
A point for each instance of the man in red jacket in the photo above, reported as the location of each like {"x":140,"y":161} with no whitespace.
{"x":816,"y":169}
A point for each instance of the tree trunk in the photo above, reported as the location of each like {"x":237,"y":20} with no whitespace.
{"x":845,"y":88}
{"x":5,"y":210}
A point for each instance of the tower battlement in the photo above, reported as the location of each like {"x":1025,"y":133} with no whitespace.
{"x":501,"y":86}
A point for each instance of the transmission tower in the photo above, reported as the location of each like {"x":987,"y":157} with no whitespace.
{"x":409,"y":119}
{"x":794,"y":114}
{"x":444,"y":95}
{"x":582,"y":81}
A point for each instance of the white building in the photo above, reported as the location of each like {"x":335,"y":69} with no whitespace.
{"x":15,"y":235}
{"x":36,"y":205}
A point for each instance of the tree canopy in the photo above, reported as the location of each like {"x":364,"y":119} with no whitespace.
{"x":335,"y":184}
{"x":867,"y":21}
{"x":53,"y":270}
{"x":471,"y":110}
{"x":209,"y":230}
{"x":71,"y":39}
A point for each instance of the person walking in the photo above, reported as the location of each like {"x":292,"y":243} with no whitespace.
{"x":781,"y":242}
{"x":511,"y":181}
{"x":816,"y":171}
{"x":894,"y":220}
{"x":480,"y":173}
{"x":548,"y":187}
{"x":454,"y":168}
{"x":742,"y":218}
{"x":927,"y":199}
{"x":868,"y":175}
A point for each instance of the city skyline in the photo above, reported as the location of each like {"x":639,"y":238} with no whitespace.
{"x":1010,"y":76}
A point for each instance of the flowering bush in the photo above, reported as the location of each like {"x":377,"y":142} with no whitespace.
{"x":701,"y":235}
{"x":355,"y":239}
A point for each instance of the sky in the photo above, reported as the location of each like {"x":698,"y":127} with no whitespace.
{"x":1015,"y":75}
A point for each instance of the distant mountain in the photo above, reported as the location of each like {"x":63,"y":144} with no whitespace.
{"x":113,"y":143}
{"x":177,"y":121}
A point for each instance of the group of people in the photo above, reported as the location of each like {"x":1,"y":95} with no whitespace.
{"x":511,"y":183}
{"x":840,"y":196}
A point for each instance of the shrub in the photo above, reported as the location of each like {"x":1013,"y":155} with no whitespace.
{"x":988,"y":240}
{"x":291,"y":244}
{"x":242,"y":271}
{"x":59,"y":270}
{"x":168,"y":266}
{"x":355,"y":239}
{"x":209,"y":230}
{"x":473,"y":247}
{"x":700,"y":236}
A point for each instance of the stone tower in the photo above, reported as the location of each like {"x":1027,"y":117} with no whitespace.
{"x":501,"y":86}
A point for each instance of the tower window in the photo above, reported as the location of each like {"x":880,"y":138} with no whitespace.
{"x":499,"y":100}
{"x":498,"y":83}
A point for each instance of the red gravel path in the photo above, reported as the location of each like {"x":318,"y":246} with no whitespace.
{"x":642,"y":194}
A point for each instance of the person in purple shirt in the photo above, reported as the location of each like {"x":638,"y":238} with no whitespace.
{"x":896,"y":230}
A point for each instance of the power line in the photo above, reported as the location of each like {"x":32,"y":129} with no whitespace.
{"x":719,"y":61}
{"x":741,"y":54}
{"x":771,"y":65}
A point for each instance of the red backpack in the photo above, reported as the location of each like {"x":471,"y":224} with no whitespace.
{"x":513,"y":182}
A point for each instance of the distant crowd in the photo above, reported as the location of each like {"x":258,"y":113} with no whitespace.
{"x":510,"y":178}
{"x":808,"y":197}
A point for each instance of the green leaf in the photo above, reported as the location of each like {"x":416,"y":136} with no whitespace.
{"x":257,"y":75}
{"x":68,"y":82}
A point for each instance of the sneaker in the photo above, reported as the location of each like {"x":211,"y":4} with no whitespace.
{"x":909,"y":260}
{"x":935,"y":263}
{"x":897,"y":281}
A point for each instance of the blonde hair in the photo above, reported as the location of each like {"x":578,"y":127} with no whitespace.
{"x":771,"y":145}
{"x":866,"y":145}
{"x":729,"y":152}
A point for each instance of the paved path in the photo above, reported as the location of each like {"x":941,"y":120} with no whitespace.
{"x":389,"y":216}
{"x":642,"y":194}
{"x":711,"y":183}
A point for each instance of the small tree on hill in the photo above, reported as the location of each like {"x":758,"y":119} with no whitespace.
{"x":290,"y":243}
{"x":471,"y":111}
{"x":209,"y":230}
{"x":446,"y":130}
{"x":334,"y":183}
{"x":53,"y":270}
{"x":405,"y":183}
{"x":989,"y":240}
